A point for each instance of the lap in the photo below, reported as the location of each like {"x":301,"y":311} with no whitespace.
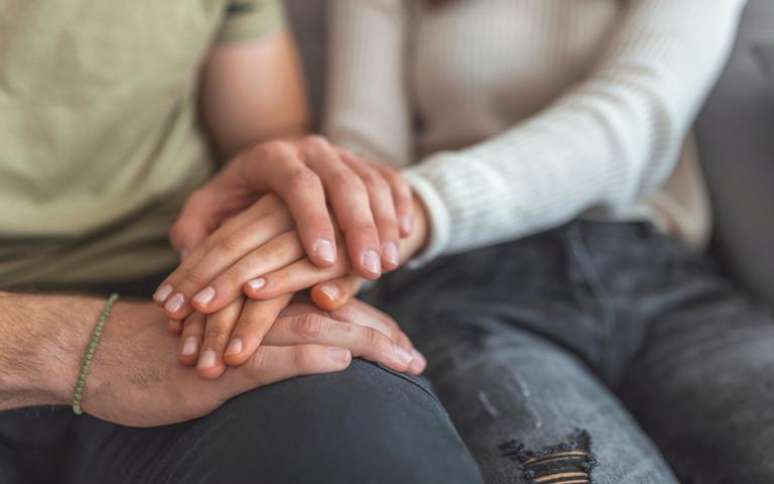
{"x":365,"y":424}
{"x":702,"y":385}
{"x":656,"y":323}
{"x":514,"y":396}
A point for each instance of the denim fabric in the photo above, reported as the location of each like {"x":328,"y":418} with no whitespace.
{"x":534,"y":345}
{"x":363,"y":425}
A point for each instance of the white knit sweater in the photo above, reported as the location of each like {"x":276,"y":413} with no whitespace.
{"x":532,"y":112}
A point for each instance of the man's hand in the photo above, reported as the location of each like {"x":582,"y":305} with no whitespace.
{"x":231,"y":336}
{"x":136,"y":378}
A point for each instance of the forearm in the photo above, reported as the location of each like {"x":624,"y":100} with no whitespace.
{"x":254,"y":92}
{"x":369,"y":110}
{"x":42,"y":338}
{"x":609,"y":142}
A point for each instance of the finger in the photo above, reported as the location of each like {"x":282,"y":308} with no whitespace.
{"x":303,"y":193}
{"x":348,"y":197}
{"x":358,"y":312}
{"x":266,"y":205}
{"x":293,"y":278}
{"x":175,"y":327}
{"x":273,"y":255}
{"x":385,"y":324}
{"x":195,"y":289}
{"x":256,"y":319}
{"x":271,"y":364}
{"x":362,"y":341}
{"x":382,"y":206}
{"x":191,"y":339}
{"x":401,"y":195}
{"x":331,"y":295}
{"x":216,"y":334}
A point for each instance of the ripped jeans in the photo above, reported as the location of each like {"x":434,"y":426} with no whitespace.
{"x":595,"y":352}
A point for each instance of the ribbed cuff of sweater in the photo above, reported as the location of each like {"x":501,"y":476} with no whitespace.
{"x":439,"y":220}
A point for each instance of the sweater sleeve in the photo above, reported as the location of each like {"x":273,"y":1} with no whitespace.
{"x":368,"y":102}
{"x":606,"y":144}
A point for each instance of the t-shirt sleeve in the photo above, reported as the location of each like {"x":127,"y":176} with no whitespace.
{"x":249,"y":19}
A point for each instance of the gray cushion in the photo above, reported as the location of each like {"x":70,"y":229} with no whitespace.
{"x":736,"y":140}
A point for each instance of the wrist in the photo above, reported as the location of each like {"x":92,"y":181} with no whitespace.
{"x":420,"y":232}
{"x":67,"y":323}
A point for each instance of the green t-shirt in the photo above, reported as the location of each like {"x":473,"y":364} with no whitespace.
{"x":99,"y":144}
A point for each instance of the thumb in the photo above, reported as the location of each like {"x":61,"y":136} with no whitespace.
{"x":196,"y":221}
{"x":332,"y":295}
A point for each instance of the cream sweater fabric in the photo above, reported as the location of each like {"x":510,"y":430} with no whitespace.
{"x":531,"y":112}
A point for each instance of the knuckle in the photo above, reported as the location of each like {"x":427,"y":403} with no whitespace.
{"x":388,"y":228}
{"x":305,"y":357}
{"x":364,"y":232}
{"x":259,"y":362}
{"x":216,"y":334}
{"x":372,"y":338}
{"x":307,"y":326}
{"x":271,"y":148}
{"x":301,"y":178}
{"x":347,"y":180}
{"x":375,"y":182}
{"x":195,"y":277}
{"x":317,"y":142}
{"x":233,"y":242}
{"x":233,"y":277}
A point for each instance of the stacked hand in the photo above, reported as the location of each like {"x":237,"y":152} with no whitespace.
{"x":136,"y":379}
{"x":261,"y":231}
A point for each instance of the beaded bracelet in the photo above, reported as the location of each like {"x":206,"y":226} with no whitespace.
{"x":88,"y":355}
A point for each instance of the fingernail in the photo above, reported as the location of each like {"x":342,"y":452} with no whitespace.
{"x":184,"y":253}
{"x":163,"y":293}
{"x":235,"y":347}
{"x":205,"y":296}
{"x":256,"y":284}
{"x":189,"y":347}
{"x":324,"y":249}
{"x":339,"y":355}
{"x":174,"y":303}
{"x":406,"y":224}
{"x":419,"y":359}
{"x":371,"y":262}
{"x":390,"y":251}
{"x":207,"y":360}
{"x":404,"y":355}
{"x":330,"y":290}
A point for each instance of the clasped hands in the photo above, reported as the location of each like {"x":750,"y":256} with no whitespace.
{"x":281,"y":218}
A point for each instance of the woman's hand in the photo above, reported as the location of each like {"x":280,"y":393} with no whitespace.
{"x":232,"y":335}
{"x":332,"y":287}
{"x":261,"y":235}
{"x":371,"y":202}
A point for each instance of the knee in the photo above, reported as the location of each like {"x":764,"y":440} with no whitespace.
{"x":365,"y":424}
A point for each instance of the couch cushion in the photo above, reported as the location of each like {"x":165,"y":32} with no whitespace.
{"x":736,"y":138}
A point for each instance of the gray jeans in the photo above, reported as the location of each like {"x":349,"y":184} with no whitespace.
{"x":590,"y":347}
